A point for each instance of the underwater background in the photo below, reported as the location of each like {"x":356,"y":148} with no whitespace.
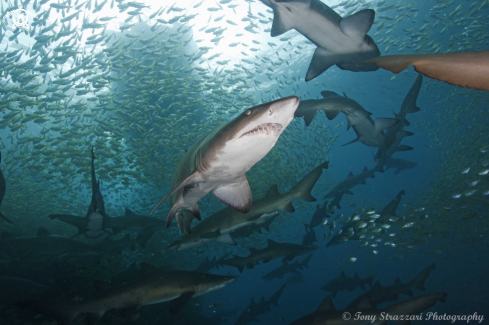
{"x":140,"y":82}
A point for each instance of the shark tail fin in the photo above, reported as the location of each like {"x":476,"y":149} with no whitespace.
{"x":302,"y":190}
{"x":418,"y":281}
{"x":276,"y":296}
{"x":61,"y":311}
{"x":5,"y":218}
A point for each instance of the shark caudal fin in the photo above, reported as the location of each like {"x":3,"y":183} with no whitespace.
{"x":419,"y":280}
{"x":64,"y":313}
{"x":302,"y":190}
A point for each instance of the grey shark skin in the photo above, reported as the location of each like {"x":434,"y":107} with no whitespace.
{"x":379,"y":294}
{"x":342,"y":283}
{"x":261,"y":307}
{"x":319,"y":215}
{"x":388,"y":211}
{"x":218,"y":161}
{"x":353,"y":180}
{"x":285,"y":268}
{"x":370,"y":132}
{"x":398,"y":164}
{"x":44,"y":243}
{"x":274,"y":250}
{"x":209,"y":264}
{"x":3,"y":189}
{"x":93,"y":225}
{"x":340,"y":41}
{"x":395,"y":134}
{"x":327,"y":314}
{"x":153,"y":287}
{"x":221,"y":224}
{"x":332,"y":104}
{"x":335,"y":203}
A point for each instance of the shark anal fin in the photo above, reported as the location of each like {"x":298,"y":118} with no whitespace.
{"x":357,"y":25}
{"x":236,"y":195}
{"x":321,"y":61}
{"x":272,"y":191}
{"x":178,"y":303}
{"x":352,"y":141}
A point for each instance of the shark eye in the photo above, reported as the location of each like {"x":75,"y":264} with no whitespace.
{"x":248,"y":112}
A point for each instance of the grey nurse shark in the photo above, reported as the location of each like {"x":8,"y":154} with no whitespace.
{"x":153,"y":287}
{"x":93,"y":224}
{"x":368,"y":131}
{"x":395,"y":134}
{"x":340,"y":41}
{"x":327,"y":314}
{"x":3,"y":189}
{"x":220,"y":225}
{"x":218,"y":161}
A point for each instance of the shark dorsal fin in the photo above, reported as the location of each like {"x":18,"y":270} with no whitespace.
{"x":327,"y":94}
{"x":147,"y":269}
{"x":365,"y":169}
{"x":377,"y":285}
{"x":356,"y":276}
{"x":271,"y":243}
{"x":128,"y":212}
{"x":272,"y":191}
{"x":342,"y":275}
{"x":350,"y":174}
{"x":397,"y":282}
{"x":326,"y":305}
{"x":365,"y":303}
{"x":42,"y":232}
{"x":253,"y":250}
{"x":262,"y":299}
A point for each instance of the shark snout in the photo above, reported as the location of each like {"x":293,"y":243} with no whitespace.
{"x":284,"y":109}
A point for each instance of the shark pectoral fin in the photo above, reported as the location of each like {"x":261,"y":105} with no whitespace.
{"x":280,"y":24}
{"x":5,"y":218}
{"x":357,"y":25}
{"x":385,"y":123}
{"x":287,"y":207}
{"x":321,"y":61}
{"x":227,"y":239}
{"x":352,"y":141}
{"x":194,"y":178}
{"x":236,"y":195}
{"x":403,"y":147}
{"x":309,"y":117}
{"x":178,"y":303}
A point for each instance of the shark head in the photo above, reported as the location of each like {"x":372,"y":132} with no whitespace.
{"x":253,"y":133}
{"x":210,"y":282}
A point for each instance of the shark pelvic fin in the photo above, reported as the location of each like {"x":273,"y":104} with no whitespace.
{"x":190,"y":180}
{"x":236,"y":195}
{"x":357,"y":25}
{"x":321,"y":61}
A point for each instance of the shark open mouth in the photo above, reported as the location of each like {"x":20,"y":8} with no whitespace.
{"x":266,"y":129}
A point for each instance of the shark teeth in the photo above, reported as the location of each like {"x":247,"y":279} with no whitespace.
{"x":265,"y":129}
